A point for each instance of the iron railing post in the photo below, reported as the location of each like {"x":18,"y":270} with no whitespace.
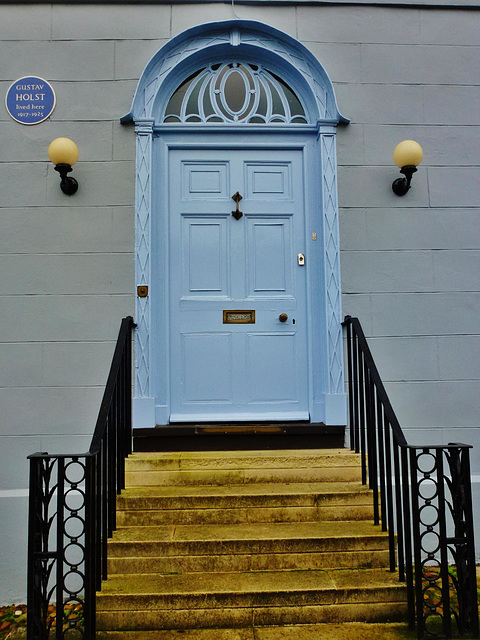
{"x":399,"y":512}
{"x":59,"y":547}
{"x":381,"y":462}
{"x":90,"y":547}
{"x":395,"y":470}
{"x":407,"y":522}
{"x":350,"y":382}
{"x":356,"y":423}
{"x":443,"y":544}
{"x":417,"y":555}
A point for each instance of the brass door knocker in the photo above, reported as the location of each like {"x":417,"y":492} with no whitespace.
{"x":237,"y":214}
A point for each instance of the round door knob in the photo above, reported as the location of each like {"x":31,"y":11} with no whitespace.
{"x":283,"y":317}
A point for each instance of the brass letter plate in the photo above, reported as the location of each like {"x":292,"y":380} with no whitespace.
{"x":239,"y":316}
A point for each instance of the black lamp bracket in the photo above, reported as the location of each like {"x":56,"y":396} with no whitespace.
{"x":68,"y":184}
{"x":400,"y":186}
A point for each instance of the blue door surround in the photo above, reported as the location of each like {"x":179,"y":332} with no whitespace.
{"x":313,"y":142}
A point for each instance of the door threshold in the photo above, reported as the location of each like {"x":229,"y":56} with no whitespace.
{"x":247,"y":418}
{"x":238,"y":436}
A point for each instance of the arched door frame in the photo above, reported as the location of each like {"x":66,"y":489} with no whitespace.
{"x":171,"y":64}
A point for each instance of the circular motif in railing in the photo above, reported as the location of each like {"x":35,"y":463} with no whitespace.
{"x":432,"y":597}
{"x":427,"y":488}
{"x":431,"y":570}
{"x":74,"y":611}
{"x":74,"y":527}
{"x":74,"y":554}
{"x":429,"y":515}
{"x":426,"y":462}
{"x":73,"y":582}
{"x":430,"y":541}
{"x":74,"y":499}
{"x":74,"y":472}
{"x":433,"y":623}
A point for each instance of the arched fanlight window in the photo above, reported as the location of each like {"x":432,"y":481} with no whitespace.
{"x":235,"y":92}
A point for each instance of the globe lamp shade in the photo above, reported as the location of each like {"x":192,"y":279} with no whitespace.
{"x":408,"y":153}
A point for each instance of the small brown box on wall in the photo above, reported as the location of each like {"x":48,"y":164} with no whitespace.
{"x":142,"y":291}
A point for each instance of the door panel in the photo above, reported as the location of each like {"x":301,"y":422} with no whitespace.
{"x":202,"y":180}
{"x":268,"y":181}
{"x":272,"y":356}
{"x":206,"y":373}
{"x":241,"y":371}
{"x":269,"y":267}
{"x":205,"y":264}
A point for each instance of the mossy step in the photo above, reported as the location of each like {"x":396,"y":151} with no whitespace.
{"x":144,"y":506}
{"x":240,"y":467}
{"x":252,"y":616}
{"x":286,"y":561}
{"x":149,"y":478}
{"x":249,"y":588}
{"x":240,"y":599}
{"x":244,"y":516}
{"x":298,"y":537}
{"x":345,"y":631}
{"x":275,"y":459}
{"x":245,"y":495}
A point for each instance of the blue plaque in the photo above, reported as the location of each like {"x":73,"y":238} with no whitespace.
{"x":30,"y":100}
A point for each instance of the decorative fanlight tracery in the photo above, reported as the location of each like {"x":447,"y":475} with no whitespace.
{"x":235,"y":92}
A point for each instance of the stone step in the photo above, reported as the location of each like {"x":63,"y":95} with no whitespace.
{"x":251,"y":495}
{"x":345,"y":631}
{"x":239,"y":476}
{"x":377,"y":558}
{"x":299,"y":502}
{"x":239,"y":516}
{"x":252,"y":547}
{"x":280,"y":458}
{"x":231,"y":543}
{"x":240,"y":467}
{"x":159,"y":601}
{"x":298,"y":537}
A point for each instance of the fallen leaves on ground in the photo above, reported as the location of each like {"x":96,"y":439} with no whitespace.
{"x":14,"y":617}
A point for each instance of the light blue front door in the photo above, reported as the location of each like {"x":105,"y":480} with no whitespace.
{"x":231,"y":356}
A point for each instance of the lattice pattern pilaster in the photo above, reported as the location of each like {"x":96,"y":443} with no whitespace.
{"x":143,"y":214}
{"x":332,"y":263}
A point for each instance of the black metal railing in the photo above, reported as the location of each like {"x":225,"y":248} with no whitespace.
{"x":72,"y":512}
{"x":422,"y":497}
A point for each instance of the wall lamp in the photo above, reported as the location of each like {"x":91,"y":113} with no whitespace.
{"x":406,"y":155}
{"x":63,"y":152}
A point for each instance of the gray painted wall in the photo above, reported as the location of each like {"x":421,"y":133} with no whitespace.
{"x":410,"y":265}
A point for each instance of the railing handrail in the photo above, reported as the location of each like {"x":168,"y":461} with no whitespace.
{"x":100,"y":426}
{"x":404,"y":474}
{"x":124,"y":333}
{"x":79,"y":488}
{"x":382,"y":392}
{"x":397,"y":429}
